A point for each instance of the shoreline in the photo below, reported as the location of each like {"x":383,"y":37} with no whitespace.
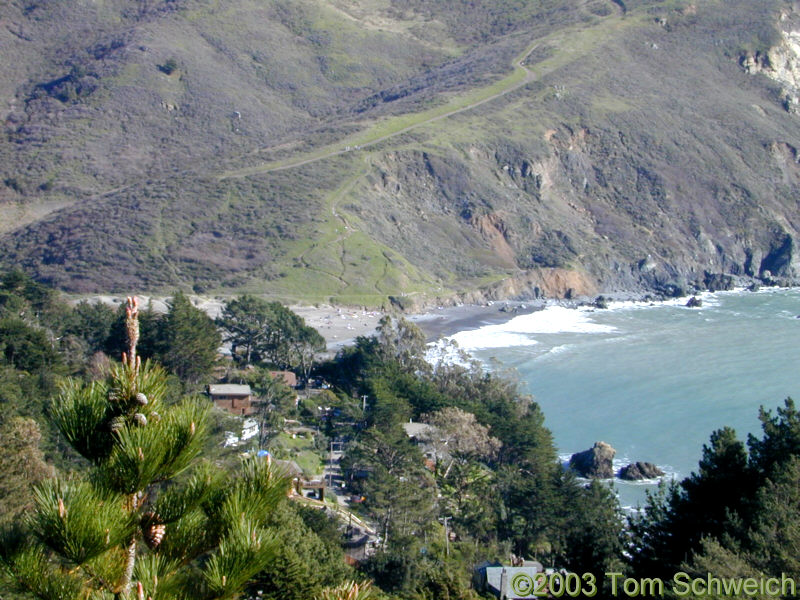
{"x":445,"y":322}
{"x":340,"y":326}
{"x":617,"y":384}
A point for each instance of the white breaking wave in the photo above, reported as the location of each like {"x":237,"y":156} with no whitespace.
{"x":709,"y":299}
{"x":560,"y":349}
{"x":488,"y":337}
{"x":557,"y":319}
{"x":519,"y":330}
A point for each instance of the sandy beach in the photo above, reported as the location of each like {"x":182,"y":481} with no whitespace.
{"x":443,"y":322}
{"x":340,"y":326}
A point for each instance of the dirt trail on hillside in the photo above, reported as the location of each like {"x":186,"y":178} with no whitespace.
{"x":518,"y":63}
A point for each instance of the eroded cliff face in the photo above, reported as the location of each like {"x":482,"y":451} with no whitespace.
{"x":781,"y":62}
{"x":581,"y":209}
{"x":636,"y":156}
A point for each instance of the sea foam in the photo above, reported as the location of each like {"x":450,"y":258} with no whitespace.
{"x":519,"y":330}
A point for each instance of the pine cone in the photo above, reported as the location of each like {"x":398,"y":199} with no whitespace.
{"x":117,"y":423}
{"x":154,"y":534}
{"x":152,"y":531}
{"x":140,"y":419}
{"x":141,"y":398}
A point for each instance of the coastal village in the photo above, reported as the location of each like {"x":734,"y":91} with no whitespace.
{"x":399,"y":299}
{"x":322,"y":489}
{"x":380,"y":446}
{"x":317,"y":477}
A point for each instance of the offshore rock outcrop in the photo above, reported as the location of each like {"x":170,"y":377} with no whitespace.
{"x":640,"y":470}
{"x":596,"y":462}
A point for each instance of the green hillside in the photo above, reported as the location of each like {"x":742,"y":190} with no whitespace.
{"x":358,"y":149}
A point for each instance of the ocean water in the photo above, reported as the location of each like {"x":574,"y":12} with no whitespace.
{"x":651,"y":380}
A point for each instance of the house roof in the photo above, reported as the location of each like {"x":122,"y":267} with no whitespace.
{"x":290,"y":466}
{"x":229,"y":389}
{"x":415,"y":430}
{"x":288,"y":377}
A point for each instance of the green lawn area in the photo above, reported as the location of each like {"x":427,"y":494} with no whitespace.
{"x":299,"y":449}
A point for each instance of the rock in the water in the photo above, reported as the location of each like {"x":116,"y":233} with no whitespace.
{"x":601,"y":302}
{"x":694,"y":302}
{"x":595,"y":462}
{"x":640,"y":470}
{"x":718,"y":281}
{"x":672,"y":290}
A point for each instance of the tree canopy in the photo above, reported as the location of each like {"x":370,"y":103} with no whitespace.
{"x":130,"y":523}
{"x":188,"y":341}
{"x":737,"y":513}
{"x":269,"y":332}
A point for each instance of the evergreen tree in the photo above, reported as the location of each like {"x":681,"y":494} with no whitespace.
{"x":304,"y":346}
{"x":92,"y":322}
{"x":774,"y":540}
{"x":724,"y":561}
{"x":21,"y":464}
{"x":290,"y":343}
{"x":188,"y":340}
{"x":133,"y":528}
{"x":399,"y":492}
{"x":304,"y":564}
{"x":270,"y":332}
{"x":246,"y":321}
{"x":26,"y":347}
{"x":675,"y":522}
{"x":588,"y":532}
{"x":780,"y":442}
{"x":25,"y":298}
{"x":276,"y":401}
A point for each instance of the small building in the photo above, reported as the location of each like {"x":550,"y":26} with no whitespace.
{"x":418,"y":432}
{"x":422,"y":435}
{"x":507,"y":583}
{"x":235,"y":398}
{"x":314,"y":488}
{"x":287,"y":377}
{"x":300,"y":482}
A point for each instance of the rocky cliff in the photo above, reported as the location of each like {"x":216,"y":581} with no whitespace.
{"x":588,"y":148}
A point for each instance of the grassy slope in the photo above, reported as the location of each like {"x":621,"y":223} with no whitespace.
{"x":621,"y":137}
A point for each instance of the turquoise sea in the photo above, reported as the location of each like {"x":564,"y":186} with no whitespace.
{"x":652,"y":380}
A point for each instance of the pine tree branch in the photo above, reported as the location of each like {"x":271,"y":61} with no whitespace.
{"x":132,"y":327}
{"x":127,"y":578}
{"x":93,"y":575}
